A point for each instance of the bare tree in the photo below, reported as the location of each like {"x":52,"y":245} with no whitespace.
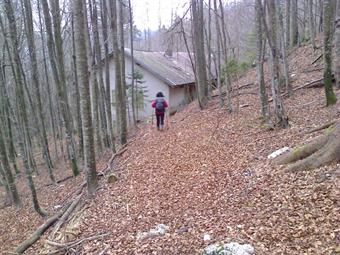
{"x":327,"y":52}
{"x":82,"y":65}
{"x":98,"y":66}
{"x":122,"y":100}
{"x":21,"y":106}
{"x":36,"y":86}
{"x":282,"y":120}
{"x":56,"y":57}
{"x":104,"y":22}
{"x":288,"y":23}
{"x":311,"y":23}
{"x":218,"y":55}
{"x":281,"y":33}
{"x":337,"y":44}
{"x":260,"y":56}
{"x":133,"y":100}
{"x":294,"y":32}
{"x":197,"y":16}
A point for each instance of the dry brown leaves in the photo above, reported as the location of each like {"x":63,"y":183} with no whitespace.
{"x":209,"y":173}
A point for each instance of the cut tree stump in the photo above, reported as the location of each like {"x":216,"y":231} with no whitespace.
{"x":321,"y":151}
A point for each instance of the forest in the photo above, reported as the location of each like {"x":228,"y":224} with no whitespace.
{"x":242,"y":159}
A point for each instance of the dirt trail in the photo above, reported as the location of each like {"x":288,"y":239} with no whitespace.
{"x":209,"y":174}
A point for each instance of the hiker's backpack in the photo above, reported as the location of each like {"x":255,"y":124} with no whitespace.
{"x":160,"y":104}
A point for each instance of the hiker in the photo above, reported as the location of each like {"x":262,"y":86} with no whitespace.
{"x":160,"y":104}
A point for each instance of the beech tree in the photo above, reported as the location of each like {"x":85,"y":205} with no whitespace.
{"x":36,"y":86}
{"x":265,"y":110}
{"x":83,"y":78}
{"x":337,"y":44}
{"x":327,"y":53}
{"x":25,"y":138}
{"x":56,"y":57}
{"x":197,"y":23}
{"x":294,"y":31}
{"x":271,"y":32}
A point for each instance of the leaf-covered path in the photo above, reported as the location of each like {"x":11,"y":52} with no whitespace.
{"x":209,"y":174}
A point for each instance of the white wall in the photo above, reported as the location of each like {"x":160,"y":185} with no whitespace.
{"x":153,"y":84}
{"x":177,"y":97}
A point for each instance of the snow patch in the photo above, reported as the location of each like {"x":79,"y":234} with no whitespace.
{"x":278,"y":152}
{"x":232,"y":248}
{"x":159,"y":230}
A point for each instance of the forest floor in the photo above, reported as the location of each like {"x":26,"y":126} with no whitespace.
{"x":208,"y":173}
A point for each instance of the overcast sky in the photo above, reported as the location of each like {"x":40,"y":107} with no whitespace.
{"x":156,"y":9}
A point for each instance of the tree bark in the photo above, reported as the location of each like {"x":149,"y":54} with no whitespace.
{"x":281,"y":33}
{"x":337,"y":45}
{"x":311,"y":23}
{"x":218,"y":55}
{"x":47,"y":80}
{"x":282,"y":120}
{"x":123,"y":127}
{"x":288,"y":23}
{"x":327,"y":53}
{"x":36,"y":86}
{"x":294,"y":36}
{"x":98,"y":56}
{"x":319,"y":152}
{"x":22,"y":114}
{"x":77,"y":94}
{"x":56,"y":56}
{"x":197,"y":12}
{"x":104,"y":20}
{"x":265,"y":110}
{"x":82,"y":64}
{"x":7,"y":173}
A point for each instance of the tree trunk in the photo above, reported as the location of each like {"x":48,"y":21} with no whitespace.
{"x":98,"y":56}
{"x":327,"y":53}
{"x":132,"y":67}
{"x":197,"y":12}
{"x":281,"y":33}
{"x":22,"y":114}
{"x":311,"y":23}
{"x":82,"y":64}
{"x":337,"y":45}
{"x":320,"y":151}
{"x":119,"y":84}
{"x":6,"y":167}
{"x":218,"y":55}
{"x":227,"y":79}
{"x":56,"y":56}
{"x":77,"y":94}
{"x":282,"y":120}
{"x":104,"y":19}
{"x":123,"y":124}
{"x":36,"y":85}
{"x":288,"y":23}
{"x":47,"y":81}
{"x":259,"y":55}
{"x":294,"y":32}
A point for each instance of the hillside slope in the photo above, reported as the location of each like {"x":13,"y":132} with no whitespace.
{"x":209,"y":174}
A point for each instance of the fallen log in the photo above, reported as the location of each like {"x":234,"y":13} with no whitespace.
{"x":312,"y":70}
{"x":65,"y":216}
{"x":67,"y":246}
{"x":327,"y":125}
{"x":37,"y":234}
{"x":317,"y":59}
{"x":104,"y":171}
{"x":313,"y":84}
